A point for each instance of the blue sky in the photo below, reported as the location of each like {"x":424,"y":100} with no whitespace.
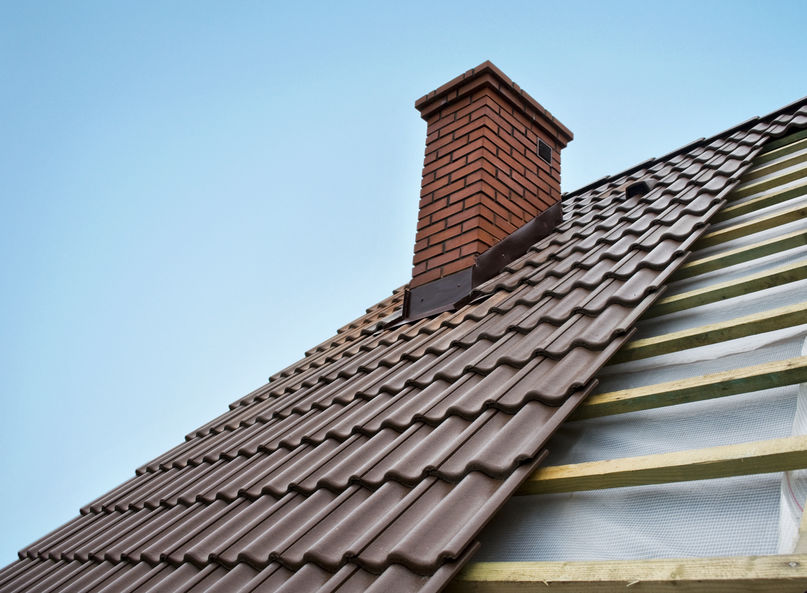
{"x":194,"y":193}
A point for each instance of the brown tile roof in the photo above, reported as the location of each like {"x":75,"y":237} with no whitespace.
{"x":372,"y":464}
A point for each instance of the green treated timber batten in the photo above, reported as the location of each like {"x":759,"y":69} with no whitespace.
{"x":734,"y":574}
{"x":784,"y":161}
{"x":705,"y":335}
{"x":774,"y":146}
{"x":758,"y":203}
{"x":770,"y":181}
{"x":726,"y":290}
{"x":756,"y":225}
{"x":723,"y":384}
{"x":757,"y":457}
{"x":741,"y":255}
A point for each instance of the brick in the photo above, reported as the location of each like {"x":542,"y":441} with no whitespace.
{"x":492,"y":137}
{"x":418,"y":269}
{"x":477,"y":103}
{"x":438,"y":260}
{"x":474,"y":248}
{"x":485,"y":112}
{"x":423,"y":278}
{"x":429,"y":187}
{"x":495,"y":184}
{"x":454,"y":107}
{"x":464,"y":215}
{"x":460,"y":264}
{"x":430,"y":230}
{"x":470,"y":189}
{"x":438,"y":144}
{"x":449,"y":189}
{"x":511,"y":183}
{"x":432,"y":208}
{"x":515,"y":164}
{"x":447,"y":233}
{"x":448,"y":210}
{"x":473,"y":167}
{"x":463,"y":136}
{"x":461,"y":241}
{"x":455,"y":164}
{"x":436,"y":163}
{"x":428,"y":253}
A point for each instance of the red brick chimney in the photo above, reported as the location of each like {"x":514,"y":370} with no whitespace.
{"x":492,"y":165}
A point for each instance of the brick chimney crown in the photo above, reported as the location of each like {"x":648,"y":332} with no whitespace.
{"x":492,"y":165}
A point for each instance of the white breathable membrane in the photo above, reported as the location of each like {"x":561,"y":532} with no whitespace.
{"x":745,"y":515}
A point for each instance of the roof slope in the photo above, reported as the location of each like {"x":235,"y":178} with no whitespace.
{"x":372,"y":464}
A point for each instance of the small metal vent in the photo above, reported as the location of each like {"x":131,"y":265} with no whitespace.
{"x":638,"y":188}
{"x":544,"y":151}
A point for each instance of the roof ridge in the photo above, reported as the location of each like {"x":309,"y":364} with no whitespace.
{"x":687,"y":147}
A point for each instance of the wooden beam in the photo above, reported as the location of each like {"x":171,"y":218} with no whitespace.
{"x":741,"y":255}
{"x":726,"y":290}
{"x":791,"y":158}
{"x":744,"y":380}
{"x":736,"y":574}
{"x":765,"y":200}
{"x":757,"y":457}
{"x":762,"y":223}
{"x":713,"y":333}
{"x":801,"y":544}
{"x":754,"y":186}
{"x":780,"y":146}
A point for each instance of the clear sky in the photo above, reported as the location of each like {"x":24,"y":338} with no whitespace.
{"x":194,"y":193}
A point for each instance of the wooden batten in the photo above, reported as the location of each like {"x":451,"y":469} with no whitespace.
{"x":739,"y":574}
{"x":726,"y":290}
{"x":741,"y":255}
{"x":762,"y":223}
{"x":757,"y":457}
{"x":726,"y":383}
{"x":714,"y":333}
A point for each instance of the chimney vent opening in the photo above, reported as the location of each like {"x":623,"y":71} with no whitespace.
{"x":544,"y":151}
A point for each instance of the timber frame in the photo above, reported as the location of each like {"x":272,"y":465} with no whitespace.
{"x":777,"y":183}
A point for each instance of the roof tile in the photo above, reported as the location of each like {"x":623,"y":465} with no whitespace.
{"x":372,"y":464}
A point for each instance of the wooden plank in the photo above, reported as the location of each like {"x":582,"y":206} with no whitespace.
{"x":790,"y":159}
{"x":757,"y":457}
{"x":776,"y":147}
{"x":735,"y":574}
{"x":801,"y":544}
{"x":769,"y":181}
{"x":713,"y":333}
{"x":749,"y":227}
{"x":770,"y":198}
{"x":727,"y":290}
{"x":735,"y":381}
{"x":741,"y":255}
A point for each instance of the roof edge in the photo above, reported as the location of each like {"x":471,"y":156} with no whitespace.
{"x":686,"y":147}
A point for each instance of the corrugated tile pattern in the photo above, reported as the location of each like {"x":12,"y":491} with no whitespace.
{"x":372,"y":464}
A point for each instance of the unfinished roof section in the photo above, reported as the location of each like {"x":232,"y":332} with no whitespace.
{"x":372,"y":464}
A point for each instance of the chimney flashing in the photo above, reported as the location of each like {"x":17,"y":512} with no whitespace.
{"x":454,"y":290}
